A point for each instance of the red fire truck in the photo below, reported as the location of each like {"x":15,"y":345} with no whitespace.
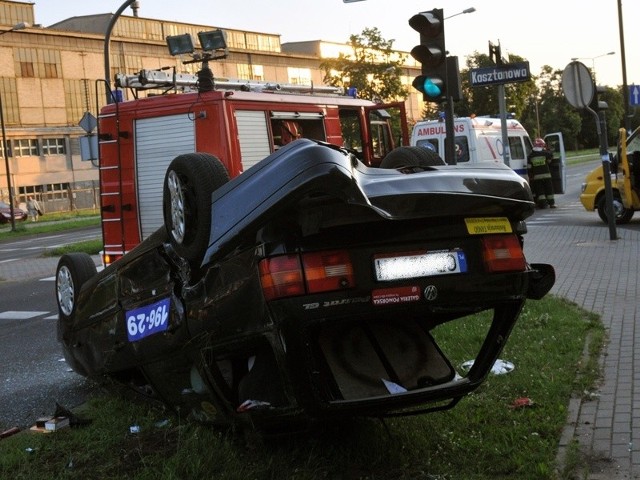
{"x":238,"y":122}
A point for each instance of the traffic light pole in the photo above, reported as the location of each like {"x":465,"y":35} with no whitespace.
{"x":449,"y":150}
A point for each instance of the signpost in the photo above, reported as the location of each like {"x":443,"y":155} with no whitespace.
{"x":498,"y":75}
{"x":579,"y":89}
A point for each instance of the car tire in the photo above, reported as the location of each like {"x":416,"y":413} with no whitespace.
{"x":623,"y":215}
{"x":408,"y":157}
{"x":73,"y":271}
{"x":188,"y":184}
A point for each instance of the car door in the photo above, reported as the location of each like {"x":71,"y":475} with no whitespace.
{"x":555,"y":144}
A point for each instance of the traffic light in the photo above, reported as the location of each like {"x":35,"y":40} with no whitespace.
{"x":431,"y":53}
{"x":597,"y":104}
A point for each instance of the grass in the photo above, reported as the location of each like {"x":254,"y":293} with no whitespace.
{"x":483,"y":437}
{"x":91,"y":247}
{"x":51,"y":222}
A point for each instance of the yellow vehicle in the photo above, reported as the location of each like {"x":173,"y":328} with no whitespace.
{"x":625,"y":182}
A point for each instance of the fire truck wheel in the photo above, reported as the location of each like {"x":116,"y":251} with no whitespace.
{"x":188,"y":184}
{"x":74,"y":269}
{"x":407,"y":157}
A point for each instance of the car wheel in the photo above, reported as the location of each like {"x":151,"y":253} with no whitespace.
{"x":74,"y":269}
{"x":407,"y":157}
{"x":188,"y":184}
{"x":623,"y":215}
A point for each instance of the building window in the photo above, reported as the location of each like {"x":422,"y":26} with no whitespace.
{"x":49,"y":191}
{"x":299,"y":76}
{"x":36,"y":62}
{"x":252,"y":41}
{"x":50,"y":70}
{"x":53,"y":146}
{"x":26,"y":70}
{"x":257,"y":73}
{"x":25,"y":147}
{"x":250,"y":72}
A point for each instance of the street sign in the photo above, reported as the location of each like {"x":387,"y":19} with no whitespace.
{"x":500,"y":74}
{"x":634,"y":95}
{"x":577,"y":85}
{"x":88,"y":122}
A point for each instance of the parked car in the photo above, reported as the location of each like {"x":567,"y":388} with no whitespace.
{"x":625,"y":181}
{"x":306,"y":288}
{"x":19,"y":215}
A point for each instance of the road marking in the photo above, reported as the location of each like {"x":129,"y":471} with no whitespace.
{"x":99,"y":268}
{"x":14,"y":315}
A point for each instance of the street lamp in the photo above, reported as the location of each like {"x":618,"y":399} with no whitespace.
{"x":466,"y":10}
{"x":449,"y":148}
{"x":593,"y":61}
{"x":5,"y":149}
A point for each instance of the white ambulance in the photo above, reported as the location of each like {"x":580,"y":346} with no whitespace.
{"x":479,"y":139}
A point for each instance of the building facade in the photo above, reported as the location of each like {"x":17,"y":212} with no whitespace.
{"x":50,"y":78}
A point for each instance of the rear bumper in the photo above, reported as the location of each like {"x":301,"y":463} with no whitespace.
{"x":385,"y":364}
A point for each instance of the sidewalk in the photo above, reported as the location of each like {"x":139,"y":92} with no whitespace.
{"x":601,"y":275}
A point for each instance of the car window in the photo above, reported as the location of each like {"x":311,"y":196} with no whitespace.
{"x":431,"y":144}
{"x":461,"y":147}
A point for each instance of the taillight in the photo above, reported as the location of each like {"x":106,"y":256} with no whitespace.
{"x":109,"y":258}
{"x":281,"y":276}
{"x":327,"y":271}
{"x":503,"y":253}
{"x":292,"y":275}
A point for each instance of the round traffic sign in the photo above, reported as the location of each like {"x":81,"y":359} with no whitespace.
{"x":577,"y":85}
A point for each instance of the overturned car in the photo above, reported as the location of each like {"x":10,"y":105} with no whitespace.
{"x":306,"y":288}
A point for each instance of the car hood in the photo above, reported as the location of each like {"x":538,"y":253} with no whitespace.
{"x":305,"y":166}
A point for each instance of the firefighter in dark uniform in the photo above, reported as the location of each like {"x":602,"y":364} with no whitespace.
{"x":540,"y":174}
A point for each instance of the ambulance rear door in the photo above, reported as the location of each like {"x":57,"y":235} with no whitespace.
{"x":555,"y":144}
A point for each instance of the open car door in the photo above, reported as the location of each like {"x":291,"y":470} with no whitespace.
{"x":555,"y":144}
{"x":386,"y":121}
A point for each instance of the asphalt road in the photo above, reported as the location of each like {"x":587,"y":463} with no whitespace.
{"x":33,"y":373}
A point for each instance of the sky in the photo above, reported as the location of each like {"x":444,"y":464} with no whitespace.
{"x":544,"y":32}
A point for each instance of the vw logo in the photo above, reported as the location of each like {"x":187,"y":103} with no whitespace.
{"x":430,"y":293}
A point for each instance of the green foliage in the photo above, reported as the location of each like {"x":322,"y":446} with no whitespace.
{"x":373,"y":67}
{"x":484,"y":437}
{"x":90,"y":247}
{"x":53,"y":223}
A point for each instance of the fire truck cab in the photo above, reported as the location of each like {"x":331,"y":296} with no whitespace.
{"x":240,"y":123}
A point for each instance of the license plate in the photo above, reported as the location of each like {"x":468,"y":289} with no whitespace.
{"x":148,"y":320}
{"x":487,"y":225}
{"x":400,"y":267}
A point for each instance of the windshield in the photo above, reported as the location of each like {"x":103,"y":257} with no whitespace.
{"x":633,"y":142}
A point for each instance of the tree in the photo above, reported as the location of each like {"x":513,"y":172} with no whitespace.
{"x":548,"y":111}
{"x":373,"y":68}
{"x":588,"y":135}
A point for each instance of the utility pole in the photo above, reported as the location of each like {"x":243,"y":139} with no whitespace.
{"x":495,"y":53}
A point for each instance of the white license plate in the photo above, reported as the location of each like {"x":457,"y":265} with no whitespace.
{"x":420,"y":265}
